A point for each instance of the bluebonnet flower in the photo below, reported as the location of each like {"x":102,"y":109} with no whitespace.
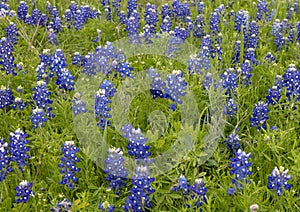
{"x":52,"y":38}
{"x":11,"y":33}
{"x":41,"y":97}
{"x":271,"y":14}
{"x":207,"y":82}
{"x":236,"y":52}
{"x":115,"y":170}
{"x":274,"y":95}
{"x":46,"y":57}
{"x":105,"y":206}
{"x":276,"y":27}
{"x":131,"y":7}
{"x":6,"y":97}
{"x":246,"y":72}
{"x":259,"y":116}
{"x":137,"y":143}
{"x":199,"y":23}
{"x":241,"y":20}
{"x":214,"y":23}
{"x":151,"y":17}
{"x":124,"y":69}
{"x":79,"y":19}
{"x":6,"y":56}
{"x":201,"y":7}
{"x":132,"y":27}
{"x":240,"y":168}
{"x":22,"y":10}
{"x":231,"y":191}
{"x":194,"y":65}
{"x":291,"y":80}
{"x":18,"y":148}
{"x":68,"y":17}
{"x":262,"y":9}
{"x":4,"y":160}
{"x":166,"y":25}
{"x":77,"y":59}
{"x":19,"y":104}
{"x":280,"y":41}
{"x":229,"y":81}
{"x":35,"y":18}
{"x":38,"y":117}
{"x":233,"y":140}
{"x":165,"y":11}
{"x":122,"y":17}
{"x":139,"y":199}
{"x":78,"y":105}
{"x":199,"y":193}
{"x":58,"y":62}
{"x":181,"y":33}
{"x":157,"y":85}
{"x":182,"y":185}
{"x":65,"y":80}
{"x":68,"y":164}
{"x":207,"y":42}
{"x":278,"y":180}
{"x":64,"y":205}
{"x":24,"y":191}
{"x":176,"y":86}
{"x":269,"y":57}
{"x":116,"y":4}
{"x":250,"y":55}
{"x":106,"y":91}
{"x":231,"y":108}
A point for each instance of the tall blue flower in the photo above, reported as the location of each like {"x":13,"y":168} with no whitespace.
{"x":137,"y":143}
{"x":22,"y":10}
{"x":102,"y":100}
{"x":274,"y":95}
{"x":24,"y":191}
{"x":182,"y":185}
{"x":291,"y":80}
{"x":198,"y":193}
{"x":139,"y":200}
{"x":38,"y":117}
{"x":4,"y":160}
{"x":246,"y":72}
{"x":251,"y":56}
{"x":19,"y":104}
{"x":240,"y":168}
{"x":115,"y":170}
{"x":176,"y":86}
{"x":41,"y":97}
{"x":262,"y":9}
{"x":259,"y":116}
{"x":214,"y":23}
{"x":79,"y":106}
{"x":6,"y":97}
{"x":231,"y":108}
{"x":236,"y":52}
{"x":6,"y":56}
{"x":278,"y":180}
{"x":229,"y":81}
{"x":233,"y":140}
{"x":68,"y":164}
{"x":133,"y":26}
{"x":18,"y":148}
{"x":157,"y":85}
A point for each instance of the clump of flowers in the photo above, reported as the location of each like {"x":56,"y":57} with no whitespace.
{"x":4,"y":160}
{"x":24,"y":191}
{"x":68,"y":164}
{"x":18,"y":148}
{"x":115,"y":170}
{"x":278,"y":180}
{"x":240,"y":168}
{"x":195,"y":193}
{"x":64,"y":205}
{"x":233,"y":140}
{"x":259,"y":116}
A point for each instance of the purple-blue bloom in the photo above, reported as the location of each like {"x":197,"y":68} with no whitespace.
{"x":278,"y":180}
{"x":68,"y":164}
{"x":24,"y":191}
{"x":259,"y":116}
{"x":18,"y":148}
{"x":4,"y":160}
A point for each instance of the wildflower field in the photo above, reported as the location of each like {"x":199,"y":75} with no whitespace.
{"x":116,"y":105}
